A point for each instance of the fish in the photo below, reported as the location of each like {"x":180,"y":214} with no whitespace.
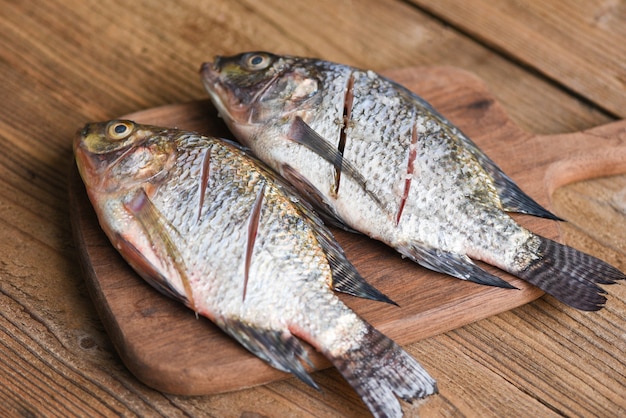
{"x":376,"y":158}
{"x":210,"y":226}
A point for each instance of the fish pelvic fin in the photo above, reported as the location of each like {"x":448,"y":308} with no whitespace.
{"x":314,"y":197}
{"x":569,"y":275}
{"x":156,"y":227}
{"x":146,"y":269}
{"x":303,"y":134}
{"x":456,"y":265}
{"x":380,"y":371}
{"x":279,"y":348}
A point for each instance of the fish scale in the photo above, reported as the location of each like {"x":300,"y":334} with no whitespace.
{"x":409,"y":177}
{"x":206,"y":224}
{"x":390,"y":120}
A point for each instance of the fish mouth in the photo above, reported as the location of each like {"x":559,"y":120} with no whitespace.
{"x":210,"y":75}
{"x":91,"y":165}
{"x":230,"y":108}
{"x":209,"y":71}
{"x":84,"y":159}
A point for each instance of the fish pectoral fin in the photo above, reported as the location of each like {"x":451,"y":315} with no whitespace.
{"x":301,"y":133}
{"x":456,"y":265}
{"x":156,"y":226}
{"x":279,"y":348}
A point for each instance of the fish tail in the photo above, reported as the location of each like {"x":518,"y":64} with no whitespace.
{"x":379,"y":370}
{"x":569,"y":275}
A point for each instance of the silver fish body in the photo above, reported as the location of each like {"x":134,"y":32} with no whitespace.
{"x":205,"y":223}
{"x":378,"y":159}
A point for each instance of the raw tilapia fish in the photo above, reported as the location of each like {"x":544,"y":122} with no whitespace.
{"x":377,"y":158}
{"x":206,"y":224}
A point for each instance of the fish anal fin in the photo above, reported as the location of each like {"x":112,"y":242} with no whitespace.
{"x":279,"y":348}
{"x":456,"y":265}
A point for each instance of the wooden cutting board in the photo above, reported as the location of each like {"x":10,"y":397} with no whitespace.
{"x":169,"y":349}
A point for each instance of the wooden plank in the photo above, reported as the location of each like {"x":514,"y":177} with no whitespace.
{"x":392,"y":34}
{"x":579,"y":44}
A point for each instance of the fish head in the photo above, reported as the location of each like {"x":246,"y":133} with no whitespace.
{"x":252,"y":89}
{"x":120,"y":154}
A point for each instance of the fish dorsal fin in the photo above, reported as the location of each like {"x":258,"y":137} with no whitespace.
{"x":156,"y":227}
{"x":456,"y":265}
{"x":512,"y":198}
{"x":303,"y":134}
{"x":345,"y":277}
{"x":279,"y":348}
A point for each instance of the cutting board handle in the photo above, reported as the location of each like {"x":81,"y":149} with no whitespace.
{"x":589,"y":154}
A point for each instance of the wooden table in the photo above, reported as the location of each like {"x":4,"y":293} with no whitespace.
{"x":556,"y":66}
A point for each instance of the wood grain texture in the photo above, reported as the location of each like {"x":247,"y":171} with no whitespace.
{"x":563,"y":41}
{"x":66,"y":62}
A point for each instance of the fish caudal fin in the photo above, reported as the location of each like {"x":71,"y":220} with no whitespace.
{"x":380,"y":371}
{"x":456,"y":265}
{"x":569,"y":275}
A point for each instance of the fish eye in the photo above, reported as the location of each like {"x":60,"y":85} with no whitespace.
{"x":119,"y":130}
{"x":257,"y":61}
